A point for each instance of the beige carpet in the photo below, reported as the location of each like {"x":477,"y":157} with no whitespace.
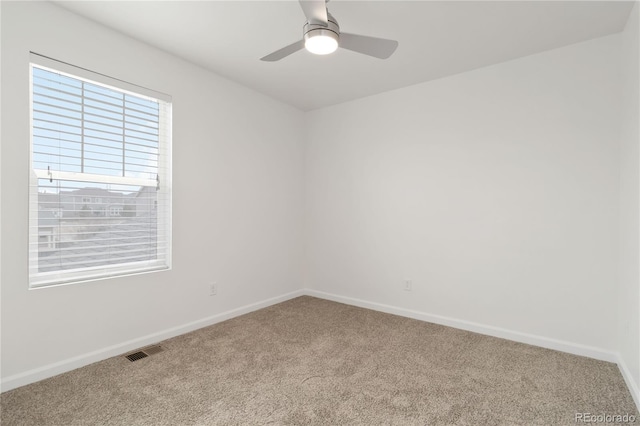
{"x":311,"y":361}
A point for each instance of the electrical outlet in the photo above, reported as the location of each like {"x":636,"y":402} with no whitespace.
{"x":407,"y":285}
{"x":213,"y":289}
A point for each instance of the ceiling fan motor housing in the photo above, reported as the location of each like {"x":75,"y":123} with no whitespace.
{"x":331,"y":30}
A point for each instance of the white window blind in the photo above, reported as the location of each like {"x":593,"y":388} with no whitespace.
{"x":100,"y":187}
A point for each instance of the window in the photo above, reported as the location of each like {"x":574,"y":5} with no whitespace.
{"x":100,"y":186}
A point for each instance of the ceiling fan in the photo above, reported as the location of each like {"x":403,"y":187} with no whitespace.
{"x":321,"y":35}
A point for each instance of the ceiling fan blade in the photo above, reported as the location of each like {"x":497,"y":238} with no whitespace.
{"x":372,"y":46}
{"x":315,"y":11}
{"x":284,"y":52}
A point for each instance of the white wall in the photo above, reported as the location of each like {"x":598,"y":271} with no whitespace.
{"x":495,"y":191}
{"x":236,"y":207}
{"x":629,"y":294}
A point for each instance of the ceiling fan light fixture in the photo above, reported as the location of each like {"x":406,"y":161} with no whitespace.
{"x":322,"y":36}
{"x":321,"y":41}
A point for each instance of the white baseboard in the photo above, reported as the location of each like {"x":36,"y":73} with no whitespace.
{"x":633,"y":386}
{"x":531,"y":339}
{"x":63,"y":366}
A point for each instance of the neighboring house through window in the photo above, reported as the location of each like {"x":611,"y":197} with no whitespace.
{"x":100,"y":159}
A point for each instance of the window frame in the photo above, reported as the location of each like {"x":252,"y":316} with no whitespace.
{"x":39,"y":279}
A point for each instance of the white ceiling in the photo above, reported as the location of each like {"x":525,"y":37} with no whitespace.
{"x":436,"y":39}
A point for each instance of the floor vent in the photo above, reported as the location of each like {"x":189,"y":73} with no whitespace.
{"x":144,"y":352}
{"x":136,"y":356}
